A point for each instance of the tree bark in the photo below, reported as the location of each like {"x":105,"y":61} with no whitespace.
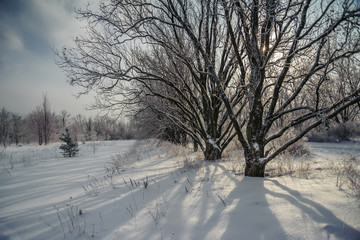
{"x":254,"y":169}
{"x":212,"y":153}
{"x":254,"y":161}
{"x":196,"y":145}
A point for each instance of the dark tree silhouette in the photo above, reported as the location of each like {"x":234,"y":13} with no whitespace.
{"x":222,"y":69}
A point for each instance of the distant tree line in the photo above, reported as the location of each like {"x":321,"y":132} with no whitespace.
{"x":44,"y":126}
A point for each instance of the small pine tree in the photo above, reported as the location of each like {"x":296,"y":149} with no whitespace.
{"x":69,"y":147}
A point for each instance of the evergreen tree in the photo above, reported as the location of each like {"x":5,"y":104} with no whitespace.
{"x":69,"y":147}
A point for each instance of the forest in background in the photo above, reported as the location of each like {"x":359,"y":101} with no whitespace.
{"x":43,"y":126}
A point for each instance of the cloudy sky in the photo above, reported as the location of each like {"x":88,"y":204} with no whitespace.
{"x":29,"y":31}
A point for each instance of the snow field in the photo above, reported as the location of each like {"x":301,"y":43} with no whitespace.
{"x":128,"y":190}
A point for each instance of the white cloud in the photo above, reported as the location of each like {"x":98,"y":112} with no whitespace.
{"x":58,"y":18}
{"x":27,"y":64}
{"x":13,"y":41}
{"x":9,"y":38}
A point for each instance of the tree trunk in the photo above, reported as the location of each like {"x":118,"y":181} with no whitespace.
{"x":255,"y":166}
{"x":196,"y":145}
{"x":212,"y":153}
{"x":40,"y":139}
{"x":254,"y":169}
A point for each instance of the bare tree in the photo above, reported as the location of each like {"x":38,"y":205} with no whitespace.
{"x":344,"y":80}
{"x":89,"y":129}
{"x":145,"y":57}
{"x":48,"y":120}
{"x":153,"y":124}
{"x":78,"y":127}
{"x":64,"y":118}
{"x":251,"y":62}
{"x":42,"y":122}
{"x":35,"y":124}
{"x":17,"y":128}
{"x":284,"y":44}
{"x":5,"y":123}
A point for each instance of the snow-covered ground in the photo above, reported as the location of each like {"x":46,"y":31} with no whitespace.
{"x":166,"y":192}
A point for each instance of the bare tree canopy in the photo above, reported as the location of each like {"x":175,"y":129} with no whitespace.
{"x":256,"y":69}
{"x":42,"y":121}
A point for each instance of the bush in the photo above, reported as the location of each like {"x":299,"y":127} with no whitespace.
{"x":338,"y":132}
{"x":69,"y":147}
{"x":348,"y":173}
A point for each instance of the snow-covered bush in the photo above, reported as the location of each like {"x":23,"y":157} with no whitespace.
{"x":348,"y":174}
{"x":69,"y":147}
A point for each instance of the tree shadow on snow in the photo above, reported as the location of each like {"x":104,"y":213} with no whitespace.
{"x":205,"y":203}
{"x":332,"y":226}
{"x":251,"y":217}
{"x":206,"y":213}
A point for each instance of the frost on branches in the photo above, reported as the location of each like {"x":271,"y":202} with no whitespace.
{"x":261,"y":73}
{"x":69,"y":147}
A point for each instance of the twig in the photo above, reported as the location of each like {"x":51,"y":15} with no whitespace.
{"x":222,"y":200}
{"x":61,"y":224}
